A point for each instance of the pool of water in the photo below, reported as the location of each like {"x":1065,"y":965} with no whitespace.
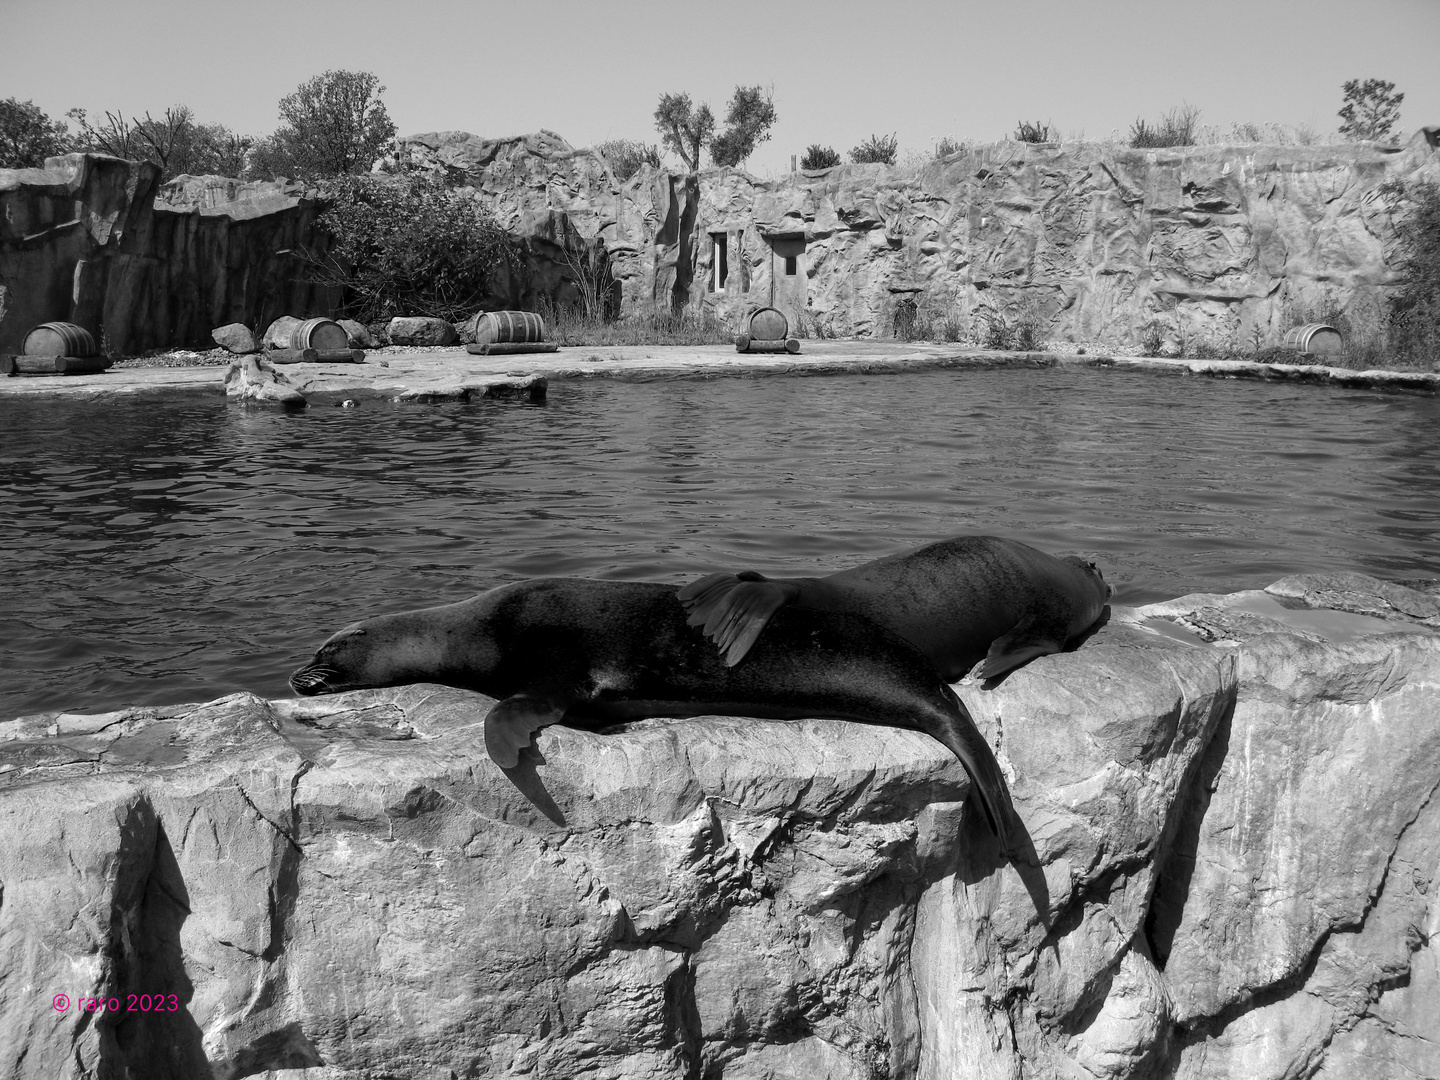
{"x":164,"y":552}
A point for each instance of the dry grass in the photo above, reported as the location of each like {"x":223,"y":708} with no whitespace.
{"x":571,"y":326}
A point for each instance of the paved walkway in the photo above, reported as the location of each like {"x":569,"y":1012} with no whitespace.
{"x":454,"y":374}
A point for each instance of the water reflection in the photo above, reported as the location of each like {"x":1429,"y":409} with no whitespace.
{"x":159,"y":554}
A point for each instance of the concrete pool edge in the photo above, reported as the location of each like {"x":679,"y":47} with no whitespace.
{"x":452,"y":374}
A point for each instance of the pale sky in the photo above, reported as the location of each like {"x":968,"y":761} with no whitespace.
{"x":841,"y":69}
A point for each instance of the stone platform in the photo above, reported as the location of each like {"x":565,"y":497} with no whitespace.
{"x":454,"y":374}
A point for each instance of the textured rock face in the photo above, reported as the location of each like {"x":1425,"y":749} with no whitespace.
{"x":1214,"y":243}
{"x":1236,"y":852}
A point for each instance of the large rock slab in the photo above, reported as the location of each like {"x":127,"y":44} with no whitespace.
{"x":1233,"y":867}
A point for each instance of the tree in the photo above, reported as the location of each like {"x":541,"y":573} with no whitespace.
{"x":879,"y":149}
{"x":335,"y":124}
{"x":175,"y":142}
{"x":684,"y":128}
{"x":748,"y":120}
{"x":1371,"y":108}
{"x":819,"y":157}
{"x":28,"y":136}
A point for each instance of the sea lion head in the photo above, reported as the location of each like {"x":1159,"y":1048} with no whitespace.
{"x":1103,"y":591}
{"x":430,"y":645}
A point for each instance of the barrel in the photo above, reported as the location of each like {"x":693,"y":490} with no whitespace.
{"x":493,"y":327}
{"x":768,"y":324}
{"x":58,"y":339}
{"x":322,"y":335}
{"x":1314,"y":339}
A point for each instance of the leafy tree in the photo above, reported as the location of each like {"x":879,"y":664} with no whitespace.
{"x":878,"y":149}
{"x":625,"y":156}
{"x":1371,"y":108}
{"x":684,"y":128}
{"x":819,"y":157}
{"x":335,"y":124}
{"x":408,"y":245}
{"x":28,"y":136}
{"x":748,"y":120}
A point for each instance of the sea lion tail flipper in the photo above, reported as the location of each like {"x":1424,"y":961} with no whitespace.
{"x":733,"y":609}
{"x":964,"y":740}
{"x":512,"y":723}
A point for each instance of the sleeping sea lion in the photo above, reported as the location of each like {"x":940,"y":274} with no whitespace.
{"x":960,"y":602}
{"x":592,"y":653}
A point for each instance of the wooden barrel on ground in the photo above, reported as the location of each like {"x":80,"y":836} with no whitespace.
{"x":1314,"y":339}
{"x":322,"y":335}
{"x":494,"y":327}
{"x":58,"y":339}
{"x":768,"y":324}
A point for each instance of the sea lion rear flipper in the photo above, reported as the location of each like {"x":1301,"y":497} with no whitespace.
{"x":1022,"y":644}
{"x":733,"y":609}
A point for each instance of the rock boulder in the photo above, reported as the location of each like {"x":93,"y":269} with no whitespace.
{"x":420,"y":330}
{"x":235,"y":338}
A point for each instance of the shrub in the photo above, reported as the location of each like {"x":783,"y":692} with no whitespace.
{"x":819,"y":157}
{"x":626,"y":156}
{"x":1032,"y":133}
{"x":878,"y":149}
{"x":947,"y":146}
{"x":1371,"y":109}
{"x":407,"y":245}
{"x":1176,"y":128}
{"x":569,"y":325}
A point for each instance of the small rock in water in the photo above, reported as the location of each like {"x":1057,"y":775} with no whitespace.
{"x":348,"y":403}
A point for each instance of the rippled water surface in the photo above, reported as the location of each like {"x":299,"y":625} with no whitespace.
{"x":164,"y":552}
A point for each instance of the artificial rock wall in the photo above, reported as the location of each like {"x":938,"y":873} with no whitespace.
{"x":1220,"y":243}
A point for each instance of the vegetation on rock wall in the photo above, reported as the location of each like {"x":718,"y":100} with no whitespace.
{"x":878,"y":149}
{"x":625,"y":156}
{"x":819,"y":157}
{"x":1032,"y":133}
{"x":1176,"y":128}
{"x":408,"y":245}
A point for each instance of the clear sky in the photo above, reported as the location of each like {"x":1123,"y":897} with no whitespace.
{"x":841,"y":69}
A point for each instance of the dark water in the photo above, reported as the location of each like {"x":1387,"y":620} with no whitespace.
{"x":164,"y":553}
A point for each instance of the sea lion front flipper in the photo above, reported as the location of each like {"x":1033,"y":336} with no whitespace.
{"x":527,"y":780}
{"x":509,"y":731}
{"x":512,"y":723}
{"x":1022,"y":644}
{"x":733,"y":609}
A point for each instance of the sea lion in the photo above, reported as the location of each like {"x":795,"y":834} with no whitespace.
{"x":959,"y":601}
{"x":591,"y":653}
